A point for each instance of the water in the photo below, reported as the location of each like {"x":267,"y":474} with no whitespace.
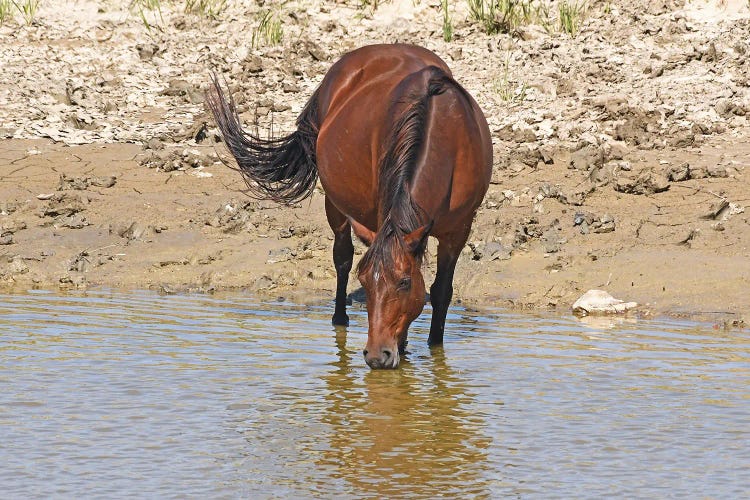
{"x":136,"y":395}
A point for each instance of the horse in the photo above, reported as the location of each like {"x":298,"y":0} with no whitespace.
{"x":403,"y":152}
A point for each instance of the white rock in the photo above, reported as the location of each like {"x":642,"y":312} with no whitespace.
{"x":600,"y":302}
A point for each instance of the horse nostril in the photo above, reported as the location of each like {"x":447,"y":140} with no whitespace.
{"x":387,"y":354}
{"x":365,"y":351}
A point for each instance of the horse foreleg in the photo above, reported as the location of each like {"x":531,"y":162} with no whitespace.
{"x":343,"y":255}
{"x":441,"y":291}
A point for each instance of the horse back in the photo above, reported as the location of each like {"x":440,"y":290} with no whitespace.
{"x":360,"y":101}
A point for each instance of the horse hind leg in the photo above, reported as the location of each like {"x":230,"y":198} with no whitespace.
{"x":343,"y":256}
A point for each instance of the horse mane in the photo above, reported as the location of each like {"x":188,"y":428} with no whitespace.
{"x":398,"y":212}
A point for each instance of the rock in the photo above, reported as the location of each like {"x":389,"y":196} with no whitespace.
{"x":253,"y":64}
{"x":154,"y":144}
{"x":613,"y":104}
{"x":134,"y":231}
{"x":82,"y":183}
{"x":65,"y":204}
{"x":717,"y":171}
{"x":492,"y":250}
{"x":316,"y":52}
{"x":17,"y":265}
{"x":530,"y":32}
{"x":6,"y":239}
{"x":600,"y":302}
{"x":687,"y":240}
{"x":547,"y":153}
{"x":524,"y":134}
{"x":551,"y":240}
{"x":722,"y":210}
{"x":605,"y":224}
{"x":279,"y":255}
{"x":106,"y":181}
{"x":177,"y":87}
{"x":587,"y":157}
{"x":11,"y":226}
{"x":290,"y":87}
{"x":147,"y":51}
{"x":682,"y":139}
{"x":7,"y":208}
{"x":646,"y":183}
{"x":583,"y":220}
{"x":72,"y":183}
{"x":456,"y":54}
{"x":678,"y":173}
{"x":726,"y":108}
{"x":80,"y":263}
{"x":76,"y":221}
{"x":716,"y":210}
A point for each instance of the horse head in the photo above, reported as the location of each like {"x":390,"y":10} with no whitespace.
{"x":390,"y":273}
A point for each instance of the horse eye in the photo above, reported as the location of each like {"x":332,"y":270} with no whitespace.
{"x":404,"y":284}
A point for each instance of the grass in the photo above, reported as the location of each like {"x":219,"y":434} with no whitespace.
{"x":571,"y":16}
{"x":501,"y":16}
{"x":27,"y":9}
{"x":144,"y":7}
{"x":372,"y":4}
{"x":269,"y":31}
{"x":5,"y":11}
{"x":205,"y":8}
{"x":505,"y":16}
{"x":507,"y":90}
{"x":150,"y":13}
{"x":447,"y":23}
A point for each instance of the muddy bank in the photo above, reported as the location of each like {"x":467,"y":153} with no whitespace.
{"x":92,"y":215}
{"x":620,"y":154}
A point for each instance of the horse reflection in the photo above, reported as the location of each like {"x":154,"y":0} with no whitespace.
{"x":403,"y":431}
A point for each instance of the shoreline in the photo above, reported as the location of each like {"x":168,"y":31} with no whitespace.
{"x":620,"y":154}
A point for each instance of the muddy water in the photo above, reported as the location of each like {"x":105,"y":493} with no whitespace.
{"x":140,"y":395}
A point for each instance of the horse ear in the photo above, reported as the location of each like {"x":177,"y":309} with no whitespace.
{"x":417,"y":239}
{"x":362,"y":232}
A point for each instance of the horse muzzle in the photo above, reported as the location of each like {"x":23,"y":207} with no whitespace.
{"x":381,"y":358}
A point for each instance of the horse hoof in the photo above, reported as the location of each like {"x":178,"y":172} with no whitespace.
{"x":340,"y":320}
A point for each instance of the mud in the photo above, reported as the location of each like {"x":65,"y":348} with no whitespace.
{"x":621,"y":154}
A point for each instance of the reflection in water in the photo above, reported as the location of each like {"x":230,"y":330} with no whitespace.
{"x":404,"y":431}
{"x":108,"y":395}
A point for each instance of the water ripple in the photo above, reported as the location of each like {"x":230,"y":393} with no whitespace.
{"x":139,"y":395}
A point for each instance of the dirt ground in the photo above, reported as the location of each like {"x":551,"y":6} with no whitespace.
{"x":621,"y":154}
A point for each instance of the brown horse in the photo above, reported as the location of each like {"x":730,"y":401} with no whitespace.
{"x":403,"y":152}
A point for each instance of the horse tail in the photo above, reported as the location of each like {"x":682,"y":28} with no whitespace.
{"x":281,"y":169}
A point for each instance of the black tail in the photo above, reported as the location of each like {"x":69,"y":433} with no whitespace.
{"x":281,"y":169}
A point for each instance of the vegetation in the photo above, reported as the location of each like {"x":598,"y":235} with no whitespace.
{"x":505,"y":16}
{"x":269,"y":30}
{"x":505,"y":88}
{"x":501,"y":16}
{"x":5,"y":11}
{"x":149,"y":11}
{"x":146,"y":9}
{"x":447,"y":23}
{"x":205,"y":8}
{"x":27,"y":9}
{"x":571,"y":16}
